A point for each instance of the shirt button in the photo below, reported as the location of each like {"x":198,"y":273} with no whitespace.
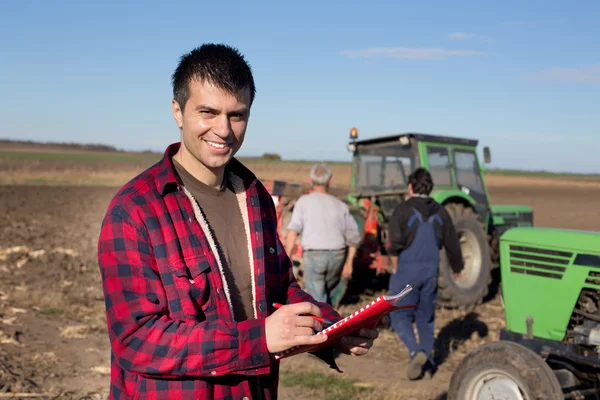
{"x":271,"y":250}
{"x":190,"y":219}
{"x":213,"y":372}
{"x":260,"y":307}
{"x":192,"y":281}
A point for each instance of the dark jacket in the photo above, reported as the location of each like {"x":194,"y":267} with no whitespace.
{"x":401,"y":236}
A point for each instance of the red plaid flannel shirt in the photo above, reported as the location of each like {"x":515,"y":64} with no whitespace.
{"x":171,"y":330}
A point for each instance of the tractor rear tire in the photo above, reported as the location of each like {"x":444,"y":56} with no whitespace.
{"x":504,"y":370}
{"x":471,"y":288}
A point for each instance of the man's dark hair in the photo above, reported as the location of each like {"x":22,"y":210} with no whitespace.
{"x":222,"y":65}
{"x":421,"y":181}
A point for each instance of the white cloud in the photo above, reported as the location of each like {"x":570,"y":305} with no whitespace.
{"x":412,"y":53}
{"x":460,"y":35}
{"x":468,"y":36}
{"x":584,"y":74}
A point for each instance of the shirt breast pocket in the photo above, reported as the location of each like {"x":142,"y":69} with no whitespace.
{"x":273,"y":267}
{"x":191,"y":292}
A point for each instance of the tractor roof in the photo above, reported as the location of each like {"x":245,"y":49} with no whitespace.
{"x":419,"y":136}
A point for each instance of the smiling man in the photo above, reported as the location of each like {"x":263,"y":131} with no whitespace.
{"x":191,"y":261}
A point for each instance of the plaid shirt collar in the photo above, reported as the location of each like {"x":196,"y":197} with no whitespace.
{"x":168,"y":181}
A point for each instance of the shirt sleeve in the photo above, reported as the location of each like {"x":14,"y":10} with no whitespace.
{"x":398,"y":230}
{"x":296,"y":223}
{"x":143,"y":338}
{"x":351,"y":232}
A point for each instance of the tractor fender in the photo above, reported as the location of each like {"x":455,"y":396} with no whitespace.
{"x":453,"y":196}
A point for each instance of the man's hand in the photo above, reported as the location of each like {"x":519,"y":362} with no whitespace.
{"x":290,"y":242}
{"x":347,"y":271}
{"x":457,"y":275}
{"x":357,"y":345}
{"x":285,"y":328}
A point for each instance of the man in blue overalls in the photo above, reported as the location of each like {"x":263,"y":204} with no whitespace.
{"x":418,"y":229}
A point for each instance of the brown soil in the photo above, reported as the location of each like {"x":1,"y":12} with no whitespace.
{"x":53,"y":336}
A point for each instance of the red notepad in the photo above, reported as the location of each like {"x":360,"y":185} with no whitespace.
{"x":367,"y":317}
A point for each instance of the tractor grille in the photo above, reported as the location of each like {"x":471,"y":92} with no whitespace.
{"x":539,"y":262}
{"x":521,"y":219}
{"x":593,"y":278}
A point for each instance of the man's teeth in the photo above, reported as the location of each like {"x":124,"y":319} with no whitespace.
{"x":217,"y":145}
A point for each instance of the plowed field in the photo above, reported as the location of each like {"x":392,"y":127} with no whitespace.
{"x":53,"y":338}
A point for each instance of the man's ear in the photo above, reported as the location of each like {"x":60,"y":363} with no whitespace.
{"x":177,"y":113}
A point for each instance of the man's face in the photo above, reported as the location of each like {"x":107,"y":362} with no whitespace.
{"x":213,"y":123}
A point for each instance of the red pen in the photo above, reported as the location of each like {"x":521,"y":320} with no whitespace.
{"x":320,"y":319}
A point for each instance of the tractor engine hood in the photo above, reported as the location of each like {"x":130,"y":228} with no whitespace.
{"x":544,"y":272}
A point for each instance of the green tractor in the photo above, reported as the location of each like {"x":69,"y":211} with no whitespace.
{"x":380,"y":170}
{"x":550,"y":346}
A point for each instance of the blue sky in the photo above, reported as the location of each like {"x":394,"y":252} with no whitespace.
{"x":522,"y":77}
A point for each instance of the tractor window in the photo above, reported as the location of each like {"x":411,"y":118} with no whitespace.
{"x":384,"y":167}
{"x":439,"y":165}
{"x":396,"y":171}
{"x":467,"y":170}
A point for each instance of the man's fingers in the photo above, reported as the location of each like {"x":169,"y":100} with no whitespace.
{"x":358,"y":351}
{"x":368,"y":333}
{"x":355,"y":341}
{"x":309,"y":339}
{"x":304,"y":308}
{"x":310,"y":322}
{"x":303,"y":331}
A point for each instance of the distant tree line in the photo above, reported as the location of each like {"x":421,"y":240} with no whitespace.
{"x":271,"y":157}
{"x":65,"y":145}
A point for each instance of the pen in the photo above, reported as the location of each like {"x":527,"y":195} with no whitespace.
{"x":320,"y":319}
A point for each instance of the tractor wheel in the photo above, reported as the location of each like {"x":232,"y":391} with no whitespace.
{"x":504,"y":370}
{"x":471,"y":288}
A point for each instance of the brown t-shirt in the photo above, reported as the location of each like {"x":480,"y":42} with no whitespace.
{"x":221,"y":208}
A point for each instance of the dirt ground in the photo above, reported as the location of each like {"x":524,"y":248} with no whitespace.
{"x":53,"y":336}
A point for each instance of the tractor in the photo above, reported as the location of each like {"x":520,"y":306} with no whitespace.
{"x":380,"y":170}
{"x":550,"y":345}
{"x":379,"y":182}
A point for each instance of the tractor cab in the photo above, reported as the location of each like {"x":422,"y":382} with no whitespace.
{"x":381,"y":167}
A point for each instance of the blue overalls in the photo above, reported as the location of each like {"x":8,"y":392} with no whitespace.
{"x":418,"y":265}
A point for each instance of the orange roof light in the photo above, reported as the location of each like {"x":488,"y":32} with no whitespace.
{"x":353,"y":133}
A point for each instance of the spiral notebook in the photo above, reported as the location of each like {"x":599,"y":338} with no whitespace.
{"x":367,"y":317}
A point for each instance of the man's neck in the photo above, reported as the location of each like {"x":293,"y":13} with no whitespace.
{"x":319,"y":188}
{"x":210,"y":177}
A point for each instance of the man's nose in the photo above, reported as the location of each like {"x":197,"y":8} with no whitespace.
{"x":222,"y":126}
